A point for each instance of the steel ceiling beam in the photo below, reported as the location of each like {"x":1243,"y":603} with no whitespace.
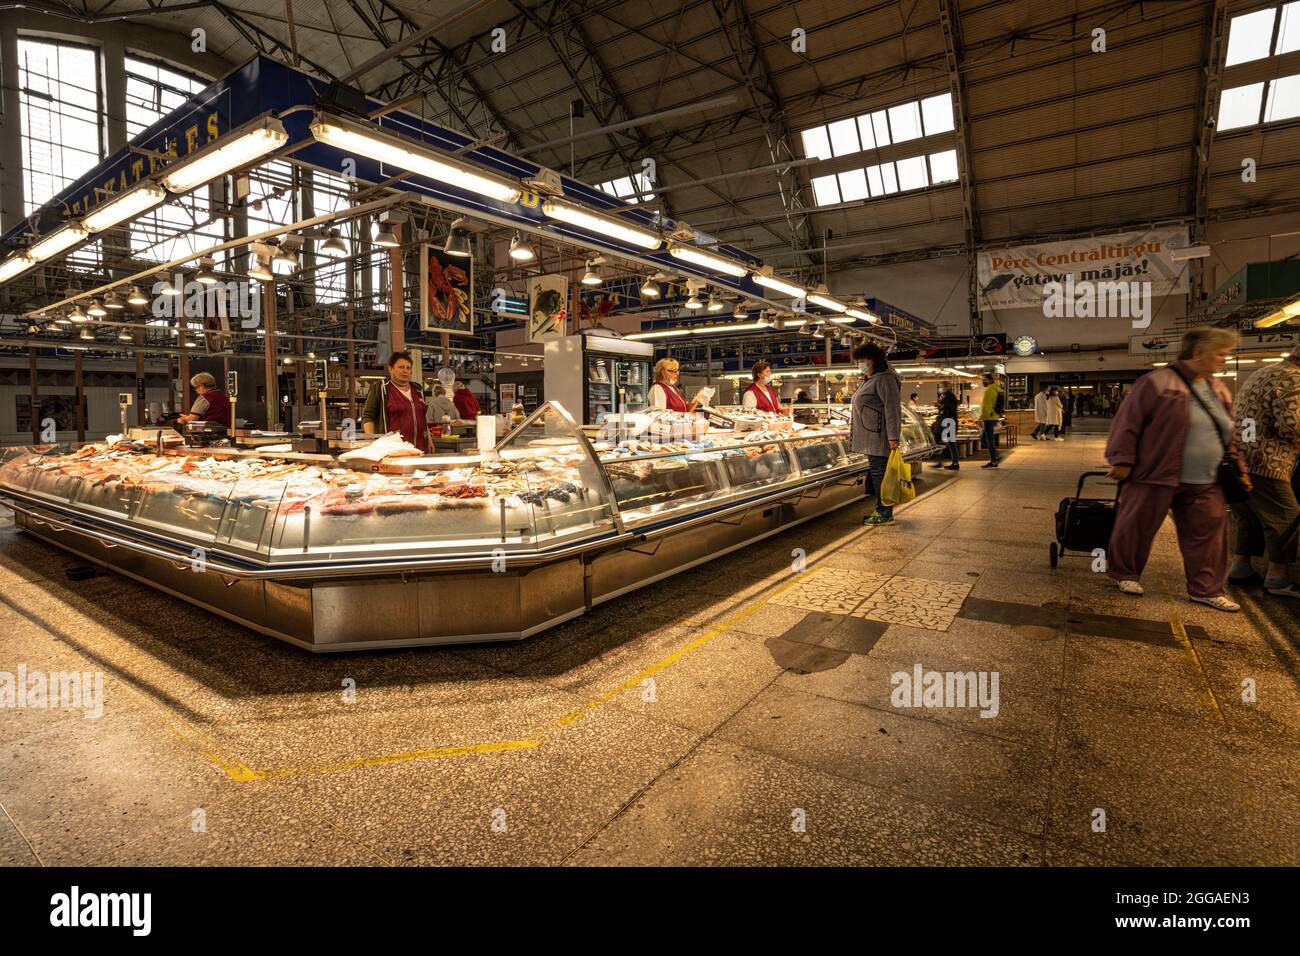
{"x":747,"y":50}
{"x":1212,"y":74}
{"x":950,"y":22}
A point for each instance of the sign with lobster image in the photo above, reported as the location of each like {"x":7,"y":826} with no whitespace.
{"x":548,"y":308}
{"x":446,"y":292}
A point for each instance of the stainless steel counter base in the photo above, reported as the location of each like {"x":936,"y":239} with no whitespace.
{"x":396,"y":609}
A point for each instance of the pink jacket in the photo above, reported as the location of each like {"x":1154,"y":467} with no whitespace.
{"x":1150,"y":428}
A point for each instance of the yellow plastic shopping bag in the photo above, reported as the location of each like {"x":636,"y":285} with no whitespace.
{"x":897,"y":487}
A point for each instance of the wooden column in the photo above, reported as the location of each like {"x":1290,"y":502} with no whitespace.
{"x":171,"y":383}
{"x":396,"y":297}
{"x":186,"y":401}
{"x":80,"y":399}
{"x":268,"y":345}
{"x":35,"y":393}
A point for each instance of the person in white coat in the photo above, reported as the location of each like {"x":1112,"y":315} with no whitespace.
{"x":1055,"y":415}
{"x":1040,"y":415}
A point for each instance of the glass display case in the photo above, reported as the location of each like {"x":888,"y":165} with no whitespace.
{"x":337,"y":554}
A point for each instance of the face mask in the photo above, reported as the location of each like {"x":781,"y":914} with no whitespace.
{"x":864,"y":368}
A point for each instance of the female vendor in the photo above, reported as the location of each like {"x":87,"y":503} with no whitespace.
{"x":396,"y":404}
{"x":664,"y":393}
{"x":760,"y":395}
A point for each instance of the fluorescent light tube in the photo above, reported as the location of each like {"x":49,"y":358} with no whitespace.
{"x":826,"y":302}
{"x":15,"y":265}
{"x":373,"y":142}
{"x":57,"y":242}
{"x":237,"y":148}
{"x":603,"y":225}
{"x":706,"y":260}
{"x":863,"y":314}
{"x":780,"y":285}
{"x":124,"y":206}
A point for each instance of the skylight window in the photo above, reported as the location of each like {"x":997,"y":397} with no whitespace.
{"x":844,"y":137}
{"x":937,"y":113}
{"x":853,"y":185}
{"x":1250,"y":37}
{"x":816,"y":143}
{"x":880,"y":122}
{"x":943,"y":167}
{"x":905,"y":122}
{"x":628,"y":187}
{"x":1283,"y":99}
{"x":826,"y":190}
{"x":1288,"y":31}
{"x":1239,"y":106}
{"x":911,"y":173}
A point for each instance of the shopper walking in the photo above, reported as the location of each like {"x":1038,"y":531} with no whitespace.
{"x":1165,"y":447}
{"x":945,"y":426}
{"x":1040,"y":414}
{"x":1268,"y":424}
{"x":1055,"y":415}
{"x":876,"y":425}
{"x":1067,"y":412}
{"x":992,"y":405}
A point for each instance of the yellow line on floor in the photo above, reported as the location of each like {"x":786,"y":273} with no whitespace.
{"x":432,"y":753}
{"x":1180,"y":634}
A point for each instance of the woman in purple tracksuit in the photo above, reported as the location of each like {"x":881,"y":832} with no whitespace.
{"x":1165,"y":449}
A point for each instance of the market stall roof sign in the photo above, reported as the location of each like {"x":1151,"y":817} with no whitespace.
{"x":901,"y":320}
{"x":1254,"y":283}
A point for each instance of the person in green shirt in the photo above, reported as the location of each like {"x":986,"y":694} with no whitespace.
{"x":991,"y":408}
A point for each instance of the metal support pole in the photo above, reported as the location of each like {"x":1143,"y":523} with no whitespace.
{"x":35,"y":399}
{"x":396,"y":300}
{"x":268,"y":345}
{"x":80,"y":379}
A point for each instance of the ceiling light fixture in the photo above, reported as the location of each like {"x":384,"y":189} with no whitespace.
{"x":740,"y":312}
{"x":237,"y":148}
{"x":260,"y":269}
{"x":381,"y":233}
{"x":821,"y":298}
{"x":715,"y":303}
{"x":650,"y":288}
{"x":205,"y":273}
{"x":706,"y":260}
{"x":606,"y":226}
{"x":15,"y":265}
{"x":96,"y":309}
{"x":333,"y":246}
{"x":125,"y":206}
{"x":124,"y":336}
{"x":366,"y":139}
{"x":592,"y":275}
{"x":520,"y":250}
{"x":87,"y":334}
{"x":76,"y":315}
{"x":59,"y":241}
{"x":113,"y":301}
{"x":137,"y":297}
{"x":457,"y":240}
{"x":766,"y":279}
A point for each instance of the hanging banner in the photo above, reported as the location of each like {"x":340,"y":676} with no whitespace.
{"x":548,"y":312}
{"x":446,"y":292}
{"x":1013,"y":277}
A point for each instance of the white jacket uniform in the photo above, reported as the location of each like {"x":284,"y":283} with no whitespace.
{"x":1040,"y":408}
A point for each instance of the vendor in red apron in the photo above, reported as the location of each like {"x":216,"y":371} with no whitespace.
{"x":665,"y":396}
{"x":212,"y":404}
{"x":397,"y":405}
{"x":761,"y":395}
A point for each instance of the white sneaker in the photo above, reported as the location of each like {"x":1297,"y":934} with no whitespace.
{"x":1058,"y":438}
{"x":1220,"y":603}
{"x":1131,"y":587}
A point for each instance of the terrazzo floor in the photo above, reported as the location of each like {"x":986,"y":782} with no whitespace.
{"x":745,"y":712}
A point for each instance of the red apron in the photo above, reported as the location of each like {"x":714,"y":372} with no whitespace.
{"x":765,"y":398}
{"x":218,"y":407}
{"x":407,"y":417}
{"x":676,"y":403}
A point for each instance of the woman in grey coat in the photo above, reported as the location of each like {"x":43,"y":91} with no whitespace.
{"x":877,"y":419}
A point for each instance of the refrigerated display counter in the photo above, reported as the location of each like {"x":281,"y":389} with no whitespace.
{"x":336,"y":556}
